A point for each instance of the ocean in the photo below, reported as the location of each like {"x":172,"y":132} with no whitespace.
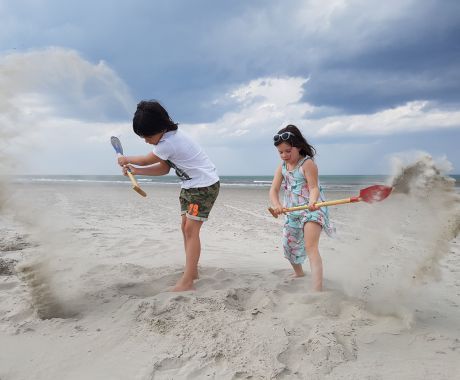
{"x":330,"y":183}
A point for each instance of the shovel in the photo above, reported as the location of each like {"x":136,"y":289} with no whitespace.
{"x":375,"y":193}
{"x":119,"y":149}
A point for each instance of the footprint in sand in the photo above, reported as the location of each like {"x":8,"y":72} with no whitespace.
{"x":148,"y":288}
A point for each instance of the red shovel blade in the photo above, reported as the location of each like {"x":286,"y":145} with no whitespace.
{"x":375,"y":193}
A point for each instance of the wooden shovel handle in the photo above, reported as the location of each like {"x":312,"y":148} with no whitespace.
{"x":133,"y":180}
{"x":325,"y":204}
{"x":136,"y":186}
{"x":320,"y":204}
{"x":272,"y":212}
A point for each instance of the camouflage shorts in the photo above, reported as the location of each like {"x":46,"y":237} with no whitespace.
{"x":196,"y":203}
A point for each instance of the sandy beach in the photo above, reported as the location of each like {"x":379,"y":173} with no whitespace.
{"x":86,"y":269}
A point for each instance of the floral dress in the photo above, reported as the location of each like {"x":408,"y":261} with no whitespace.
{"x":296,"y":193}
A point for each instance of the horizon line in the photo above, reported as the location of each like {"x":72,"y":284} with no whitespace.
{"x":221,"y":175}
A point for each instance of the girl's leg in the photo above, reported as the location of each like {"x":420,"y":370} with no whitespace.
{"x":312,"y":232}
{"x":298,"y":270}
{"x":191,"y":232}
{"x":293,"y":245}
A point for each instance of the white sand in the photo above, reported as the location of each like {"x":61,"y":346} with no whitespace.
{"x":85,"y":271}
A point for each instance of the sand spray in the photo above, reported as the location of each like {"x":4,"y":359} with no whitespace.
{"x":47,"y":234}
{"x":45,"y":230}
{"x":393,"y":248}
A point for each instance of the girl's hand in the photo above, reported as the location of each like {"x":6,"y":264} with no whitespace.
{"x":312,"y":207}
{"x":122,"y":161}
{"x":278,"y":210}
{"x":131,"y":168}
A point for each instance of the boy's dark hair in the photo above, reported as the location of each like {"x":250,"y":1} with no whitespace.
{"x":151,"y":118}
{"x":298,"y":141}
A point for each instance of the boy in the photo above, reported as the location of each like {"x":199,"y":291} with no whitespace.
{"x":199,"y":180}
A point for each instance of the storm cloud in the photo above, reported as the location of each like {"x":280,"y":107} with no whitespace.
{"x":347,"y":71}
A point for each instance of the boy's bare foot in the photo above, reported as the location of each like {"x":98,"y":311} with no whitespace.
{"x":297,"y":275}
{"x":183,"y":285}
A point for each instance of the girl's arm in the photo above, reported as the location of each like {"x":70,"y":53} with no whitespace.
{"x":311,"y":175}
{"x":160,"y":168}
{"x":148,"y":159}
{"x":275,"y":191}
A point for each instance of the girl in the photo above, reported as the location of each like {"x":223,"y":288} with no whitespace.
{"x":302,"y":229}
{"x":200,"y":183}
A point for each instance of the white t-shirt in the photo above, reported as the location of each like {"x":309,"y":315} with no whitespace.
{"x":191,"y":163}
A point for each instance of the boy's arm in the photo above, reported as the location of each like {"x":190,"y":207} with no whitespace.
{"x":148,"y":159}
{"x":275,"y":190}
{"x":159,"y":168}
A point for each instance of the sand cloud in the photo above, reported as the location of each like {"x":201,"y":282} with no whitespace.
{"x":52,"y":101}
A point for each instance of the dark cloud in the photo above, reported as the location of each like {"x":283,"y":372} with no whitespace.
{"x":364,"y":57}
{"x":368,"y":91}
{"x":416,"y":56}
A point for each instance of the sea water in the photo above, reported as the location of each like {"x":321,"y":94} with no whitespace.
{"x":330,"y":183}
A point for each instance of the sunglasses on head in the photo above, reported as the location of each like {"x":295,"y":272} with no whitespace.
{"x":283,"y":136}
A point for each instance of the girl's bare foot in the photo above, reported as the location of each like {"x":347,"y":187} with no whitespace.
{"x":298,"y":270}
{"x":317,"y":287}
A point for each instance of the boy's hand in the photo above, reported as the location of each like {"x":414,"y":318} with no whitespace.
{"x":122,"y":161}
{"x":131,"y":168}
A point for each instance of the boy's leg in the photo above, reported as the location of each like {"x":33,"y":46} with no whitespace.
{"x":312,"y":232}
{"x":184,"y":220}
{"x":192,"y":245}
{"x":196,"y":204}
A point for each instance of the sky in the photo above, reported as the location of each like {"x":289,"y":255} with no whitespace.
{"x":366,"y":81}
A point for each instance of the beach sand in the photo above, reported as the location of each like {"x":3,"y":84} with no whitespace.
{"x":86,"y":268}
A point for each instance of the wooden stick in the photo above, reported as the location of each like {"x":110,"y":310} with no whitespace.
{"x":320,"y":204}
{"x":136,"y":185}
{"x":325,"y":204}
{"x":133,"y":180}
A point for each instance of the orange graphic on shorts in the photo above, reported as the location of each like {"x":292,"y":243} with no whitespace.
{"x":193,"y":209}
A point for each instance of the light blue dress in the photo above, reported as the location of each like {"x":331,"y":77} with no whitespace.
{"x":296,"y":193}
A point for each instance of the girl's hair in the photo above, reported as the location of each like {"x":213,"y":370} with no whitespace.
{"x":151,"y":118}
{"x":297,"y":140}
